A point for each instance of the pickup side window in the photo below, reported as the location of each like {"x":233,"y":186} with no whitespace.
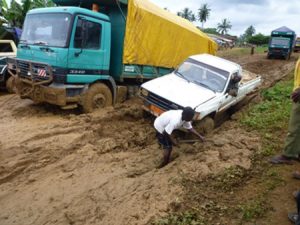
{"x":6,"y":47}
{"x":87,"y":35}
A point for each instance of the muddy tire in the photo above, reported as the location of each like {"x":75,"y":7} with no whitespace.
{"x":97,"y":96}
{"x":10,"y":85}
{"x":205,"y":126}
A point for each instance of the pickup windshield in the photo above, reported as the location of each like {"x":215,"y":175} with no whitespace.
{"x":46,"y":29}
{"x":285,"y":42}
{"x":204,"y":75}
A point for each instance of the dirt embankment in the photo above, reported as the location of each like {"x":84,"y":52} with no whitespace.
{"x":60,"y":167}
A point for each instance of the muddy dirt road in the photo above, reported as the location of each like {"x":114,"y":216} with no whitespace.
{"x":59,"y":167}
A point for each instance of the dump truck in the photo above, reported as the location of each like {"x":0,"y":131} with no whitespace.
{"x":281,"y":43}
{"x":297,"y":45}
{"x":90,"y":53}
{"x":204,"y":82}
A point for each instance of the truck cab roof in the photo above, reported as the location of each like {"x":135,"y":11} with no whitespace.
{"x":70,"y":10}
{"x":218,"y":62}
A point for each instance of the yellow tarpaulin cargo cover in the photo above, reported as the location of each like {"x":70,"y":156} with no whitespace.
{"x":157,"y":37}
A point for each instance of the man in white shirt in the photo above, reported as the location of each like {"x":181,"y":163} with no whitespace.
{"x":169,"y":121}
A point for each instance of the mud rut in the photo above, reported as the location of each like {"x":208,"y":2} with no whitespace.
{"x":60,"y":167}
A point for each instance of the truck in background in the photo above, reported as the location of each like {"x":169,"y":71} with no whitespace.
{"x":89,"y":55}
{"x":8,"y":49}
{"x":297,"y":45}
{"x":281,"y":43}
{"x":204,"y":82}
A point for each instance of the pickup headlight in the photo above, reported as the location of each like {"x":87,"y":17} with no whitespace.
{"x":144,"y":92}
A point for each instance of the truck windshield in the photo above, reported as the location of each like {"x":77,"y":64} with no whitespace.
{"x":280,"y":41}
{"x":46,"y":29}
{"x":203,"y":75}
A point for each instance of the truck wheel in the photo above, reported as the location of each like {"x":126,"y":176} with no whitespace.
{"x":10,"y":85}
{"x":206,"y":125}
{"x":97,"y":96}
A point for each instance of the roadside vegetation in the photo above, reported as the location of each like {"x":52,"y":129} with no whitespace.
{"x":237,"y":195}
{"x":235,"y":52}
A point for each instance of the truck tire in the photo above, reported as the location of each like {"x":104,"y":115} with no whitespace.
{"x":205,"y":126}
{"x":97,"y":96}
{"x":10,"y":85}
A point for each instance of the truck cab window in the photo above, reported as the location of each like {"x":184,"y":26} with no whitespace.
{"x":91,"y":32}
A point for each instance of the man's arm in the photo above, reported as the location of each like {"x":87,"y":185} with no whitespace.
{"x":192,"y":130}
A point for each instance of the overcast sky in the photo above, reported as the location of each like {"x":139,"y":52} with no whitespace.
{"x":264,"y":15}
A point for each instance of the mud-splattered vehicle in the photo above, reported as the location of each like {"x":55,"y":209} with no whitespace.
{"x":8,"y":49}
{"x":207,"y":83}
{"x":90,"y":53}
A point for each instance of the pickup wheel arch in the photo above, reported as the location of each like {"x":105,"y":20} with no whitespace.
{"x":206,"y":125}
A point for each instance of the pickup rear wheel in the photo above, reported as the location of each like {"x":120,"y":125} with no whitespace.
{"x":10,"y":85}
{"x":97,"y":96}
{"x":206,"y":125}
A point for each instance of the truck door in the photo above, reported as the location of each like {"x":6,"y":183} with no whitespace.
{"x":87,"y":53}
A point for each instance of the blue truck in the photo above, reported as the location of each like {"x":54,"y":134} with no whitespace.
{"x":89,"y":53}
{"x":281,"y":43}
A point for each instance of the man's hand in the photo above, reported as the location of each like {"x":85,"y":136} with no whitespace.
{"x":201,"y":138}
{"x":197,"y":134}
{"x":295,"y":96}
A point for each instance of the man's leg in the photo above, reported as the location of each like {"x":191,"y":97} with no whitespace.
{"x":292,"y":142}
{"x":167,"y":146}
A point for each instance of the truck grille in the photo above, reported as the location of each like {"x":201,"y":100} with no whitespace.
{"x":161,"y":102}
{"x":34,"y":71}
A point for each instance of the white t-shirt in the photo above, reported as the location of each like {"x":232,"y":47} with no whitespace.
{"x":169,"y":121}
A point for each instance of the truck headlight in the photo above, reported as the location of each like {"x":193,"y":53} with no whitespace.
{"x":144,"y":92}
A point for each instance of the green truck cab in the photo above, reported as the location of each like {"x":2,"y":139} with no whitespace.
{"x":281,"y":43}
{"x":73,"y":56}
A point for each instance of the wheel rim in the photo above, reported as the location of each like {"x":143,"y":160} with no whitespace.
{"x":99,"y":101}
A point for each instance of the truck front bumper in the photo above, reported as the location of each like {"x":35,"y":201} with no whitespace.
{"x":32,"y":80}
{"x":40,"y":93}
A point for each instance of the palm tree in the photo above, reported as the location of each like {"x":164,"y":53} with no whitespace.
{"x":16,"y":13}
{"x":203,"y":14}
{"x":42,"y":3}
{"x":188,"y":14}
{"x":224,"y":26}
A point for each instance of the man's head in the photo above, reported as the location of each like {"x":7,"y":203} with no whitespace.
{"x":188,"y":114}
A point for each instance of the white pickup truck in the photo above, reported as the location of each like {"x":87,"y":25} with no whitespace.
{"x":203,"y":82}
{"x":8,"y":49}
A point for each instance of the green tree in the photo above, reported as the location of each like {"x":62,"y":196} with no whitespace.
{"x":203,"y":14}
{"x":42,"y":3}
{"x":250,"y":31}
{"x":224,"y":26}
{"x":15,"y":14}
{"x":259,"y":39}
{"x":188,"y":14}
{"x":210,"y":30}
